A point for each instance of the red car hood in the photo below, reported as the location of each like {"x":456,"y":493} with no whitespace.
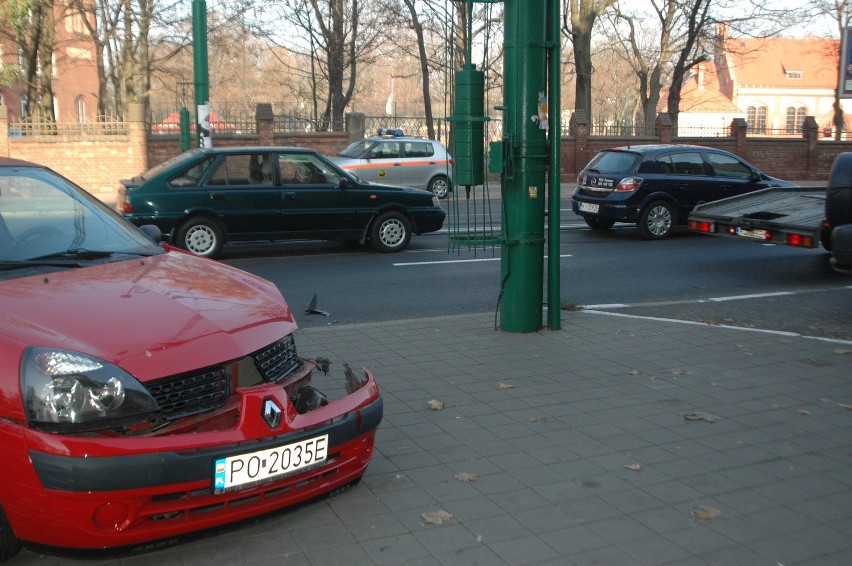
{"x":153,"y":316}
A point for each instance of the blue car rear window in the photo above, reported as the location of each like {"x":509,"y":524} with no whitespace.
{"x":615,"y":162}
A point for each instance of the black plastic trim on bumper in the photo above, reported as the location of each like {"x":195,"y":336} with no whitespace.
{"x":115,"y":473}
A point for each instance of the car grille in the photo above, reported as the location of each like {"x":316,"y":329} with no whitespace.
{"x":192,"y":393}
{"x":208,"y":389}
{"x":278,"y":360}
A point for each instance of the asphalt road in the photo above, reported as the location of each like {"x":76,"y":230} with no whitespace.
{"x":687,"y":277}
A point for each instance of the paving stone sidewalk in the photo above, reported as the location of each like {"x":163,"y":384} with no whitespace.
{"x":616,"y":440}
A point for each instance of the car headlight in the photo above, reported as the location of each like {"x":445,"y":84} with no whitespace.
{"x":67,"y":391}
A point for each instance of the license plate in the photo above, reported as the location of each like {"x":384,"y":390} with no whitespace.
{"x":589,"y":207}
{"x":756,"y":234}
{"x":254,"y":468}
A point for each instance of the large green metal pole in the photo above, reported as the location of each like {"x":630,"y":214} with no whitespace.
{"x":201,"y":78}
{"x":523,"y":176}
{"x":554,"y":288}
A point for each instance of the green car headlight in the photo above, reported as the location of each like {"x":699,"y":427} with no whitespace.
{"x":67,"y":391}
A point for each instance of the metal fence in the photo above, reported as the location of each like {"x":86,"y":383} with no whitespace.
{"x":39,"y":126}
{"x":621,"y":130}
{"x":237,"y":122}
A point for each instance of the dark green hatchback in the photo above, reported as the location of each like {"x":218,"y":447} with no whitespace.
{"x":206,"y":197}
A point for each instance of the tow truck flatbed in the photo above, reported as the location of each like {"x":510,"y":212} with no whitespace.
{"x":792,"y":216}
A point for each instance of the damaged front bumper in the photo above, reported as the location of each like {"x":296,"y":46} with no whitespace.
{"x":98,"y":492}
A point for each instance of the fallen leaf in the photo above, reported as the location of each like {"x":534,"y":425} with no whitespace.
{"x":466,"y":477}
{"x":536,"y":419}
{"x":634,"y":467}
{"x":700,"y":416}
{"x":436,"y":405}
{"x":679,"y":371}
{"x":437,"y":518}
{"x":845,"y":406}
{"x":635,"y":372}
{"x":842,"y":351}
{"x":505,"y":385}
{"x":705,"y":513}
{"x":652,"y":378}
{"x":804,"y":412}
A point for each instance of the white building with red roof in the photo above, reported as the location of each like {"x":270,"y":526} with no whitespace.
{"x":773,"y":83}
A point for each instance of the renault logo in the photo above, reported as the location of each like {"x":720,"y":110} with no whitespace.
{"x":271,"y":413}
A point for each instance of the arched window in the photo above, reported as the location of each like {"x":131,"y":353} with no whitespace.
{"x":756,"y":119}
{"x":795,"y":119}
{"x":81,"y":109}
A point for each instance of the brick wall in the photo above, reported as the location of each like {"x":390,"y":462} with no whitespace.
{"x":95,"y":162}
{"x":805,"y":158}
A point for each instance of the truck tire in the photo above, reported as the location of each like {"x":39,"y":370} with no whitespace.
{"x":838,"y":198}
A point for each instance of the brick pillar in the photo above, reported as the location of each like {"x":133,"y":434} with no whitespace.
{"x":263,"y":119}
{"x":579,"y":125}
{"x":663,"y":123}
{"x":355,"y":126}
{"x":4,"y":131}
{"x":810,"y":131}
{"x":739,"y":129}
{"x":137,"y":136}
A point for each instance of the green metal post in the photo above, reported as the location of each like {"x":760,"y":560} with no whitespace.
{"x":183,"y":115}
{"x":554,"y":291}
{"x":201,"y":78}
{"x":523,"y":176}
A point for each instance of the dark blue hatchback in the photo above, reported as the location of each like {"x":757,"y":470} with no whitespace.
{"x":656,"y":186}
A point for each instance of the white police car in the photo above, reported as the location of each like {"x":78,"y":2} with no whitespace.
{"x":392,"y":158}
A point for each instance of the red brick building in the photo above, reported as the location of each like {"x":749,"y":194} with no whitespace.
{"x":75,"y":79}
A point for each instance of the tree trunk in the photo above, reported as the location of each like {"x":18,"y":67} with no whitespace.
{"x":424,"y":68}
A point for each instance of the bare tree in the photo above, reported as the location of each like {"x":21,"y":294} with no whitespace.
{"x":840,"y":11}
{"x":691,"y":52}
{"x":648,"y":52}
{"x":582,"y":15}
{"x":337,"y":36}
{"x":32,"y":24}
{"x":100,"y":19}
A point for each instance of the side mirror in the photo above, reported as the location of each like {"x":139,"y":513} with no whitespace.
{"x":152,"y":232}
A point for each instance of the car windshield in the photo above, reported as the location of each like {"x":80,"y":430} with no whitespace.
{"x":42,"y":215}
{"x":357,"y":149}
{"x":614,"y":162}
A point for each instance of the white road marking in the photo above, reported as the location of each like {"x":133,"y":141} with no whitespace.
{"x":755,"y":296}
{"x":730,"y":327}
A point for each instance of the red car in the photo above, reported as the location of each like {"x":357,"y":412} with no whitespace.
{"x":145,"y":392}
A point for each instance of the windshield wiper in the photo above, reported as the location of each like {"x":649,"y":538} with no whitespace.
{"x":83,"y":254}
{"x":6,"y":264}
